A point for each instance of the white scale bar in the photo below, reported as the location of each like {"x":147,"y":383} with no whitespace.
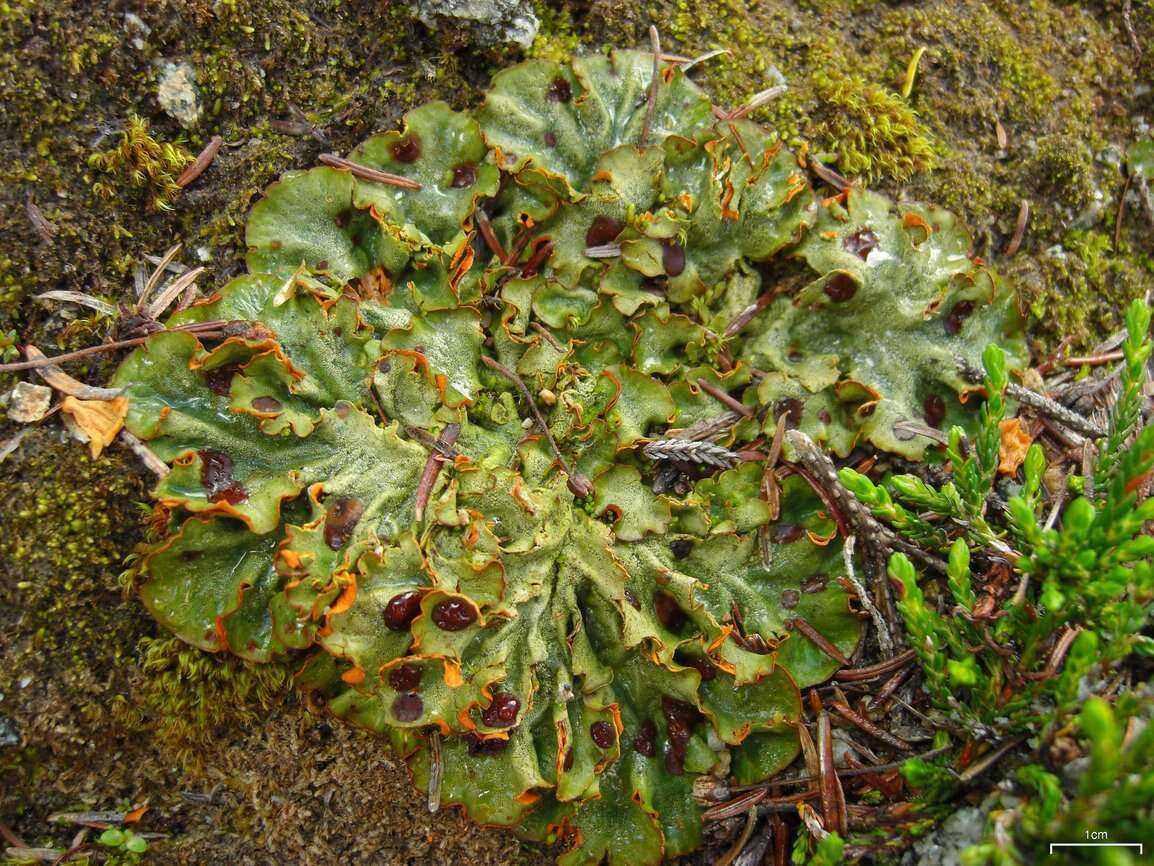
{"x":1054,"y":845}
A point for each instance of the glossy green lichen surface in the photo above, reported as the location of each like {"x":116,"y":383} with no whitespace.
{"x":585,"y":631}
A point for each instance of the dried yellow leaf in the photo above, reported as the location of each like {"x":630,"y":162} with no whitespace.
{"x":1015,"y":442}
{"x":99,"y":420}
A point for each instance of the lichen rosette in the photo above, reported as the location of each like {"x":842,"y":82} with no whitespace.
{"x":358,"y":480}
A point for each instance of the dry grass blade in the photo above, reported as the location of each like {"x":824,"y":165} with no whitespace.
{"x":1120,"y":213}
{"x":757,"y":100}
{"x":433,"y":800}
{"x":171,"y":291}
{"x":157,"y":272}
{"x":827,"y":174}
{"x":1093,"y":360}
{"x":40,"y":223}
{"x":736,"y":806}
{"x":365,"y":173}
{"x":81,"y":298}
{"x":701,"y":58}
{"x":651,"y":103}
{"x":9,"y":445}
{"x":603,"y":251}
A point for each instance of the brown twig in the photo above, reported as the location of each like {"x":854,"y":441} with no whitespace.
{"x":579,"y":485}
{"x":651,"y":102}
{"x":433,"y":467}
{"x":151,"y":462}
{"x":846,"y":712}
{"x":519,"y":244}
{"x":989,"y":759}
{"x":547,"y":336}
{"x":885,"y":639}
{"x":818,"y":639}
{"x":203,"y":160}
{"x":204,"y":329}
{"x":822,"y":475}
{"x":1040,"y":403}
{"x":724,"y":399}
{"x":365,"y":173}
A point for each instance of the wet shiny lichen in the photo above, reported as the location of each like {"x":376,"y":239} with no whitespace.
{"x":582,"y":624}
{"x":354,"y":66}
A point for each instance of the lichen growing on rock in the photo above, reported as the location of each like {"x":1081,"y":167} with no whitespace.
{"x":416,"y":444}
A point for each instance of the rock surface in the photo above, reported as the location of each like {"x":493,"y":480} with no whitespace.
{"x":491,"y":21}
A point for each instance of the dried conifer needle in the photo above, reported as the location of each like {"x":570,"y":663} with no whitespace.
{"x":203,"y":161}
{"x":724,"y":399}
{"x":365,"y":173}
{"x":655,"y":43}
{"x":819,"y":640}
{"x":433,"y":467}
{"x":870,"y":728}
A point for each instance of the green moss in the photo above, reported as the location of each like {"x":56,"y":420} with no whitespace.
{"x":556,"y":39}
{"x":1077,"y":288}
{"x":184,"y":696}
{"x":1064,"y":168}
{"x":874,"y":132}
{"x":139,"y":161}
{"x":65,"y":533}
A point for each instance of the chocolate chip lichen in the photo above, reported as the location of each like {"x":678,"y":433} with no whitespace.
{"x":359,"y":475}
